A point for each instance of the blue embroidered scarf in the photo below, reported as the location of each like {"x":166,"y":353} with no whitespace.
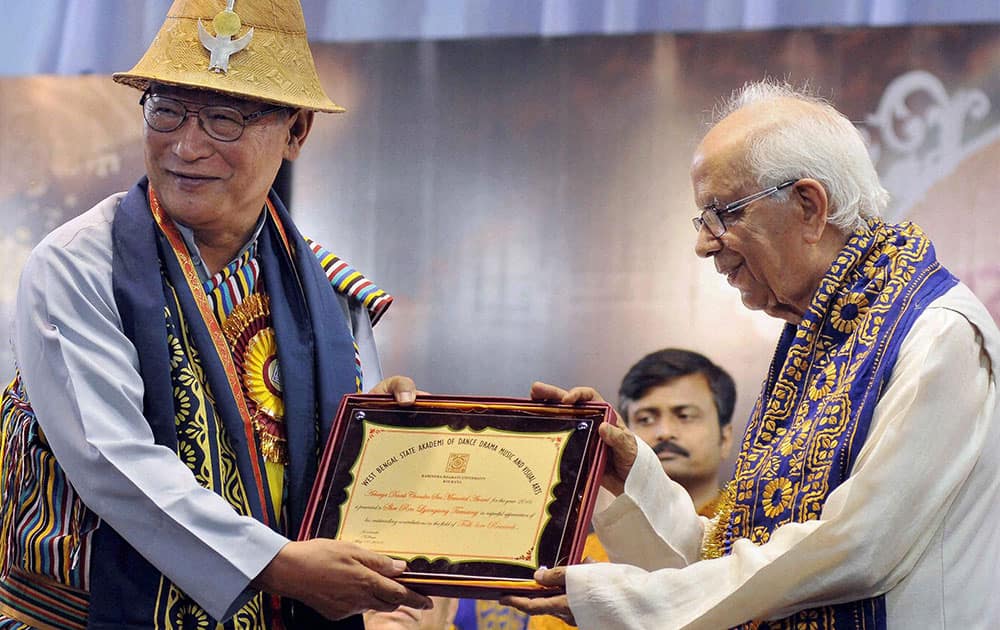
{"x":816,"y":406}
{"x":317,"y":357}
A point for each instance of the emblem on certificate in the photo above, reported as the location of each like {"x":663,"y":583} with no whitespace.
{"x":457,"y":463}
{"x":473,"y":493}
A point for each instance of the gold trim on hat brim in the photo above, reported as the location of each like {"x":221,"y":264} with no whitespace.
{"x":277,"y":67}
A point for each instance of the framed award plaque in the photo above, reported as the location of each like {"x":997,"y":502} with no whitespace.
{"x":474,"y":494}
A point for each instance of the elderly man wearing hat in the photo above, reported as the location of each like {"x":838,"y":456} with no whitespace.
{"x":181,"y":352}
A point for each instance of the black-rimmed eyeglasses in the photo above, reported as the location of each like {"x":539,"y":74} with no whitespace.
{"x":711,"y":215}
{"x":221,"y":122}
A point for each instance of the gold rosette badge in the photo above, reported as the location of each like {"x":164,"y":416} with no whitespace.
{"x":262,"y":377}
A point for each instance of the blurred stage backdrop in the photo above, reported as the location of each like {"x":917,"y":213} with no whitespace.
{"x":527,"y":200}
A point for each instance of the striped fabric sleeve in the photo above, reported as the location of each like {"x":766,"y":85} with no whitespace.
{"x":347,"y":281}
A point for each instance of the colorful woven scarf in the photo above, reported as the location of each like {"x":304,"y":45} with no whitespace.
{"x":814,"y":412}
{"x":204,"y":391}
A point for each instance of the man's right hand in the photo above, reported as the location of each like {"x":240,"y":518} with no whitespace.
{"x":623,"y":450}
{"x":621,"y":442}
{"x":337,"y":579}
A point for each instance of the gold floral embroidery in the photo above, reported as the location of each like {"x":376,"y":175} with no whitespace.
{"x":824,"y":383}
{"x":182,"y":405}
{"x":808,"y":620}
{"x":186,"y":376}
{"x":191,"y":616}
{"x":777,"y":496}
{"x":849,"y":311}
{"x":792,"y":442}
{"x":876,"y":268}
{"x":187,"y":454}
{"x":176,"y":351}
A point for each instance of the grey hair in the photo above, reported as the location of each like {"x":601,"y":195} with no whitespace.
{"x":824,"y":146}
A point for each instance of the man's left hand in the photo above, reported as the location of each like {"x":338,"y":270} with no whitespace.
{"x":557,"y":605}
{"x":621,"y":442}
{"x":402,"y":389}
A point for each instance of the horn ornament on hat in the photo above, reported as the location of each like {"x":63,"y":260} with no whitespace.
{"x":253,"y":49}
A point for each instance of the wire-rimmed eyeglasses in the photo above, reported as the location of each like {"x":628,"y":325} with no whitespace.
{"x":221,"y":122}
{"x":711,"y":215}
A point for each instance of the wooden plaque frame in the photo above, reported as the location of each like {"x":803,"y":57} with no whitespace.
{"x":461,"y":429}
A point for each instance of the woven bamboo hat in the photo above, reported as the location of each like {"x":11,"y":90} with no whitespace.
{"x":254,"y":49}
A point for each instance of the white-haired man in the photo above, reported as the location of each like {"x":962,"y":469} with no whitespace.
{"x":867,"y":489}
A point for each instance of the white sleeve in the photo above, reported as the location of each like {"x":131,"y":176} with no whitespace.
{"x":653,"y":523}
{"x":81,"y":375}
{"x":873,"y":527}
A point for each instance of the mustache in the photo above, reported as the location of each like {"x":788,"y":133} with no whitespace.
{"x":671,"y":447}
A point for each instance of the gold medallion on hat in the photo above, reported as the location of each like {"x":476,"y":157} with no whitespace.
{"x":227,"y":23}
{"x":221,"y":46}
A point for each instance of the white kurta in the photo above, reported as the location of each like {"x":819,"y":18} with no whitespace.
{"x":82,"y":376}
{"x":918,"y":519}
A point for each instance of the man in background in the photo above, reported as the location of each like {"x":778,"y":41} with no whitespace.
{"x":681,"y":405}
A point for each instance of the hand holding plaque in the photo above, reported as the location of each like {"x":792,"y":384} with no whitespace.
{"x":473,"y":493}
